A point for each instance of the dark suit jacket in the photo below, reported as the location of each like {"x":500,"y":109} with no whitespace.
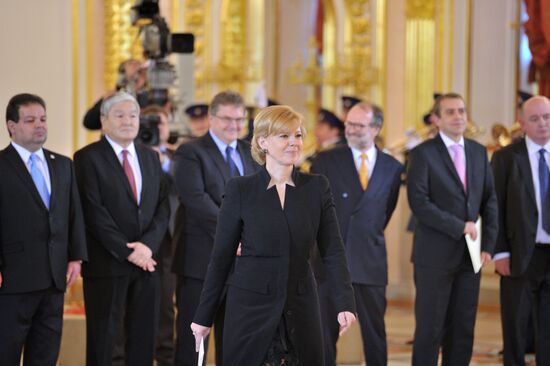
{"x":112,"y":215}
{"x":273,"y":274}
{"x":518,"y":213}
{"x":200,"y":173}
{"x":362,"y":215}
{"x":438,"y":201}
{"x":36,"y":243}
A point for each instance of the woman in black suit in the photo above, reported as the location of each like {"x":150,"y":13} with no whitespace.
{"x":277,"y":215}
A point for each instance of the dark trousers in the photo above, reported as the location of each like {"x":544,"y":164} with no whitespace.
{"x":538,"y":276}
{"x":515,"y":306}
{"x":131,"y":300}
{"x":371,"y":308}
{"x":445,"y":314}
{"x":34,"y":321}
{"x":188,"y":291}
{"x":165,"y":337}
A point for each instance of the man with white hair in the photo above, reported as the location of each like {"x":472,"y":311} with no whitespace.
{"x":126,"y":213}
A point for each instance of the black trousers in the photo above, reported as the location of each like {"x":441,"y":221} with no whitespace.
{"x":188,"y":291}
{"x":538,"y":276}
{"x":131,"y":300}
{"x":34,"y":321}
{"x":445,"y":314}
{"x":165,"y":337}
{"x":515,"y":305}
{"x":371,"y":308}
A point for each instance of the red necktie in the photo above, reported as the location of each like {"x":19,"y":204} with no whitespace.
{"x":129,"y":172}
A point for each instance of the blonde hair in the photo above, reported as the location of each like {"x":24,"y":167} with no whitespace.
{"x":271,"y":121}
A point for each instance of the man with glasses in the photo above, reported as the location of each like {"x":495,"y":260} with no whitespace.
{"x":202,"y":167}
{"x":523,"y":242}
{"x":365,"y":183}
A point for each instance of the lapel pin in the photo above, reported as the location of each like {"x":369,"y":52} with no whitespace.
{"x":345,"y":195}
{"x":52,"y":156}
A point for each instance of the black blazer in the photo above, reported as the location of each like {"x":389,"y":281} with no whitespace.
{"x":272,"y":274}
{"x":518,"y":213}
{"x":200,"y":174}
{"x":438,"y":201}
{"x":36,"y":243}
{"x":112,"y":215}
{"x":362,"y":215}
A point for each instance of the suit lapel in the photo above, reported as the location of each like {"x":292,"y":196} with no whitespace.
{"x":248,"y":164}
{"x":521,"y":157}
{"x":21,"y":170}
{"x":471,"y":165}
{"x":346,"y":165}
{"x":111,"y":158}
{"x":447,"y":162}
{"x":144,"y":166}
{"x":50,"y":160}
{"x":216,"y":156}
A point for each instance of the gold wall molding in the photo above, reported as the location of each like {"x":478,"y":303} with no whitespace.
{"x":420,"y":9}
{"x":234,"y":68}
{"x":195,"y":12}
{"x":121,"y":41}
{"x":420,"y":56}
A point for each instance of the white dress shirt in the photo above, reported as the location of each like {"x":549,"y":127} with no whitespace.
{"x":533,"y":152}
{"x":371,"y":158}
{"x":132,"y":159}
{"x":450,"y":142}
{"x":42,"y":164}
{"x":222,"y":146}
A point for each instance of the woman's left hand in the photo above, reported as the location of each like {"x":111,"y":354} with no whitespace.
{"x":345,"y":319}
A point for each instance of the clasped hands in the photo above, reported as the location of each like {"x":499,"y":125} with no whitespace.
{"x":141,"y":256}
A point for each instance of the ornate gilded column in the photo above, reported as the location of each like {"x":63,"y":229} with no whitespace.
{"x":419,"y":60}
{"x":120,"y":38}
{"x":194,"y":22}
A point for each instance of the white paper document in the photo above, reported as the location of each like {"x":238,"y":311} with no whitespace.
{"x":474,"y":247}
{"x":201,"y":353}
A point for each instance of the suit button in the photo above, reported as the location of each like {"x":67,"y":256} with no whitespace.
{"x":289,"y":312}
{"x":292,"y":330}
{"x":345,"y":195}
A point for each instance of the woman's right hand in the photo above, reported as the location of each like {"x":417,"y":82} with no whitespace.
{"x":199,"y":332}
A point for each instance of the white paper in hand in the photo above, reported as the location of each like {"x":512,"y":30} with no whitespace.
{"x":474,"y":247}
{"x":201,"y":353}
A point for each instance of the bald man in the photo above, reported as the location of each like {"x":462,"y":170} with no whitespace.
{"x":523,"y":243}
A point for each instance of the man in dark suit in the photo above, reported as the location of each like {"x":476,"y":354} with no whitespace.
{"x":523,"y":242}
{"x":164,"y":353}
{"x":365,"y":185}
{"x":450,"y":184}
{"x":42,"y":240}
{"x":202,"y":168}
{"x":126,"y":212}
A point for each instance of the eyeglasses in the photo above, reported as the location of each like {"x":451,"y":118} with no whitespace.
{"x":227,"y":120}
{"x":358,"y":126}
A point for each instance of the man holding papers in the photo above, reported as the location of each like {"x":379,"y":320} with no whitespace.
{"x":523,"y":241}
{"x":450,"y":185}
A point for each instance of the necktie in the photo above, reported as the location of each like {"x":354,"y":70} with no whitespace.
{"x":543,"y":182}
{"x":458,"y":160}
{"x":233,"y":171}
{"x":129,"y":172}
{"x":39,"y":180}
{"x":363,"y":172}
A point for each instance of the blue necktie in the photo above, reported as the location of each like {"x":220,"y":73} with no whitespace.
{"x":544,"y":174}
{"x":39,"y":180}
{"x":233,"y":171}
